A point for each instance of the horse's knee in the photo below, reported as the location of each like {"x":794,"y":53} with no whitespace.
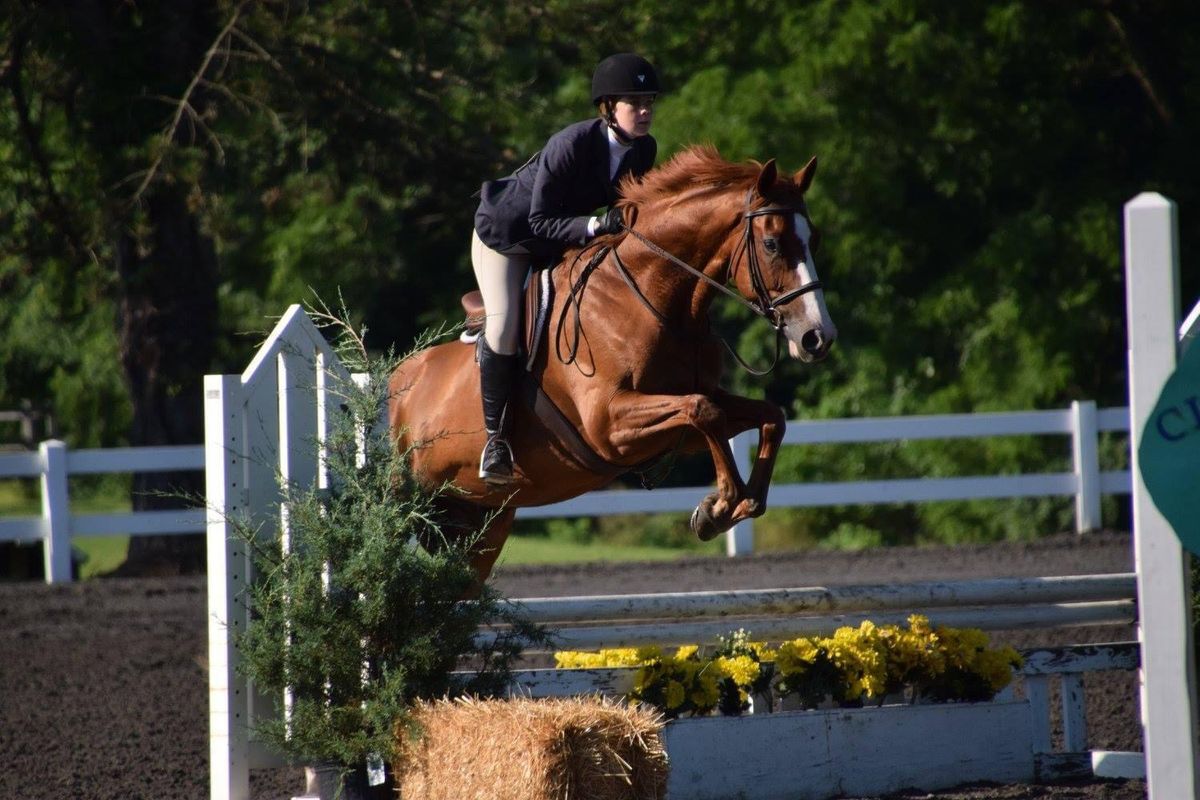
{"x":703,"y":413}
{"x":775,"y":423}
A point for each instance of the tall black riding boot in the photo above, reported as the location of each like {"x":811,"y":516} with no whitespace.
{"x":497,"y":374}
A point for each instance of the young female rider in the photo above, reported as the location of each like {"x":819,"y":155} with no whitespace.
{"x":545,"y":207}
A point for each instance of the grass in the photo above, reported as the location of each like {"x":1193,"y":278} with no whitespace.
{"x":520,"y":550}
{"x":100,"y":554}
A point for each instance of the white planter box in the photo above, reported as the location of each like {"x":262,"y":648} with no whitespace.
{"x":812,"y":755}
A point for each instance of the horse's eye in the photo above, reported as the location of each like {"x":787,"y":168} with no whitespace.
{"x":771,"y":245}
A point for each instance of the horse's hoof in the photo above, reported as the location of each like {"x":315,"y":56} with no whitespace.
{"x":703,"y":525}
{"x":749,"y":508}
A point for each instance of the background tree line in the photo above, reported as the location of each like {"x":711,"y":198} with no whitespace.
{"x":174,"y":173}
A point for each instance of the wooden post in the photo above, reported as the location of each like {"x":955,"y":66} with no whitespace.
{"x":739,"y":540}
{"x":56,"y":512}
{"x":1085,"y":451}
{"x":1168,"y":690}
{"x":228,"y":565}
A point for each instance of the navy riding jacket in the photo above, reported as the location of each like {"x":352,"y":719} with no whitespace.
{"x":543,"y":207}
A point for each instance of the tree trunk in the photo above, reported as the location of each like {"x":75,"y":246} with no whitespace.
{"x":168,"y":316}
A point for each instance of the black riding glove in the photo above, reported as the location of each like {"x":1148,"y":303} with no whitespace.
{"x":611,"y":222}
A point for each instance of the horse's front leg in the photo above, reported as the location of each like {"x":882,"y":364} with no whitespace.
{"x":744,"y":414}
{"x":634,"y":417}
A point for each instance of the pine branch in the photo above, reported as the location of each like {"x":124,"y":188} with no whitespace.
{"x":184,"y":105}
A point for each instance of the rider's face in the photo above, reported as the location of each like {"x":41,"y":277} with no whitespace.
{"x":634,"y":114}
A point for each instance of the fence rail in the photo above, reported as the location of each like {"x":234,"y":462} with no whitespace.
{"x":54,"y":463}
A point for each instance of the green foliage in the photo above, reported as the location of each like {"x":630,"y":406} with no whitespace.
{"x":973,"y":159}
{"x":352,"y":615}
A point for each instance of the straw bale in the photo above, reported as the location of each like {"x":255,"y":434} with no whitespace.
{"x":523,"y":749}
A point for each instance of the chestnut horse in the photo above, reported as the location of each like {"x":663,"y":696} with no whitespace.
{"x":631,"y":362}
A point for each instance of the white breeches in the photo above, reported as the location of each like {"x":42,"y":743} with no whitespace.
{"x":500,"y":280}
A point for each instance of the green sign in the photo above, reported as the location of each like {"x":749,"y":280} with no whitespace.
{"x":1169,"y":454}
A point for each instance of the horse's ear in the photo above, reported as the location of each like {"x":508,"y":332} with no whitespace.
{"x":804,"y":178}
{"x":766,"y":178}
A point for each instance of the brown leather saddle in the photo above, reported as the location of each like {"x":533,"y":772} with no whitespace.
{"x":537,"y":303}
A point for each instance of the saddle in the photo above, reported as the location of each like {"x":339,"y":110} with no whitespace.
{"x":537,"y":302}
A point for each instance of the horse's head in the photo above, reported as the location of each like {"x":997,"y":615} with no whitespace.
{"x":773,"y":266}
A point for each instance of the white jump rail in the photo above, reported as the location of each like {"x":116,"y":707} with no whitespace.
{"x":673,"y":619}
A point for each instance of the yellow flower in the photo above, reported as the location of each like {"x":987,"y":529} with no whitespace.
{"x":763,"y":651}
{"x":743,"y":669}
{"x":686,"y":652}
{"x":674,"y":694}
{"x":648,"y":653}
{"x":796,"y":656}
{"x":572,"y":659}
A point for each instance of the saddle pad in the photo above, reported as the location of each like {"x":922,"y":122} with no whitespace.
{"x":539,"y":299}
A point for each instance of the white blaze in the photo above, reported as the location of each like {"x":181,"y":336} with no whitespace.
{"x":812,"y":312}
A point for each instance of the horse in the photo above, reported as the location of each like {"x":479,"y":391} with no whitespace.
{"x":630,"y":369}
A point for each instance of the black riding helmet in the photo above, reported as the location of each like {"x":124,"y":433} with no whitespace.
{"x":623,"y":74}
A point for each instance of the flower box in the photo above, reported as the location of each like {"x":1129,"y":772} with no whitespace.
{"x":861,"y":751}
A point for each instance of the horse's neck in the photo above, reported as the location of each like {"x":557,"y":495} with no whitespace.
{"x":697,"y":237}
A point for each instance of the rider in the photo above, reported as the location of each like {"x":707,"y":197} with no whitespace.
{"x":544,"y":207}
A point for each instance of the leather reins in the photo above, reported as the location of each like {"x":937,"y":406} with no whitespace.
{"x":763,"y":305}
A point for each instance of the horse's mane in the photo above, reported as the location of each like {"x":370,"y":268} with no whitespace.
{"x":697,"y":167}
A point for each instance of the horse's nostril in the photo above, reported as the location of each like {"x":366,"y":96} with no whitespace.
{"x":812,"y":341}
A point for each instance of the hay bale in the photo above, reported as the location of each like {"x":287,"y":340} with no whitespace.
{"x":559,"y":749}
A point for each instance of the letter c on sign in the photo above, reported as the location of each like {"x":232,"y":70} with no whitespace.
{"x":1161,"y":423}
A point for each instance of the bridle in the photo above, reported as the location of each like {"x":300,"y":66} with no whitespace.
{"x":762,"y":305}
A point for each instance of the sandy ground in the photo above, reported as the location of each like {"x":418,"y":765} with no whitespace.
{"x":104,"y":685}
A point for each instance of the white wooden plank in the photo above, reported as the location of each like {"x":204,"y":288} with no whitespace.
{"x":1085,"y":457}
{"x":228,"y":564}
{"x":140,"y":523}
{"x":610,"y":682}
{"x":56,"y":512}
{"x":1037,"y":693}
{"x":1116,"y":482}
{"x":22,"y":529}
{"x":1119,"y":764}
{"x":20,"y":465}
{"x":1074,"y":716}
{"x":917,"y":490}
{"x":783,"y":756}
{"x":818,"y":754}
{"x":1080,"y":658}
{"x":932,"y":747}
{"x":136,"y":459}
{"x":688,"y":605}
{"x":1165,"y":626}
{"x":1113,"y":419}
{"x":1111,"y":612}
{"x":933,"y":426}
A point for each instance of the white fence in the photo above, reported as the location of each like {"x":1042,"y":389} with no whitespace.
{"x":53,"y":464}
